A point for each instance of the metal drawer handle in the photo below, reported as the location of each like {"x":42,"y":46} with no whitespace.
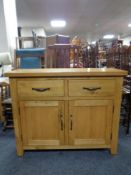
{"x":41,"y":89}
{"x":62,"y":122}
{"x":71,"y":122}
{"x":91,"y":88}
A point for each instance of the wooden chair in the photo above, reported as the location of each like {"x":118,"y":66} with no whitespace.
{"x":30,"y":42}
{"x":6,"y":106}
{"x":29,"y":58}
{"x":126,"y":104}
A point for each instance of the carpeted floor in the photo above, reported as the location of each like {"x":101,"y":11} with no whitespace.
{"x":79,"y":162}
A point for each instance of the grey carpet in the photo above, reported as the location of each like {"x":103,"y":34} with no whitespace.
{"x":78,"y":162}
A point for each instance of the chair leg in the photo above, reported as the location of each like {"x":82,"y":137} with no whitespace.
{"x":127,"y":110}
{"x":4,"y":125}
{"x":128,"y":119}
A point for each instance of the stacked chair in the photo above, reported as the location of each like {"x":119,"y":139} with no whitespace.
{"x":126,"y":102}
{"x":6,"y":106}
{"x":5,"y":100}
{"x":29,"y":56}
{"x":120,"y":57}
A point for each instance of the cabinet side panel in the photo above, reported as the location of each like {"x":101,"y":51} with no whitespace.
{"x":116,"y":115}
{"x":16,"y":117}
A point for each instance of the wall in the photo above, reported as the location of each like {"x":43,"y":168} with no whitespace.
{"x":3,"y":36}
{"x":11,"y":23}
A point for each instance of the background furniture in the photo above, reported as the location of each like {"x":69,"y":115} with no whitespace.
{"x":4,"y":81}
{"x":57,"y":39}
{"x":7,"y":108}
{"x":5,"y":66}
{"x":66,"y":108}
{"x":63,"y":56}
{"x":126,"y":104}
{"x":5,"y":103}
{"x":51,"y":54}
{"x":29,"y":42}
{"x":5,"y":62}
{"x":29,"y":58}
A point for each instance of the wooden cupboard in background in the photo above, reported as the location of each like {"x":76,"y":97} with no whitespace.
{"x":57,"y":39}
{"x":57,"y":55}
{"x":66,"y":108}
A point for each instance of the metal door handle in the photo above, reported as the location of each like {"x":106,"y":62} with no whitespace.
{"x":62,"y":122}
{"x":71,"y":123}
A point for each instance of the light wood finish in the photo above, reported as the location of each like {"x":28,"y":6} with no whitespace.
{"x":116,"y":115}
{"x":90,"y":122}
{"x":68,"y":116}
{"x":63,"y":72}
{"x":94,"y":87}
{"x":16,"y":117}
{"x":42,"y":123}
{"x":40,"y":87}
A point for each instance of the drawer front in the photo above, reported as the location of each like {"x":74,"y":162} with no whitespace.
{"x":40,"y":88}
{"x":95,"y":87}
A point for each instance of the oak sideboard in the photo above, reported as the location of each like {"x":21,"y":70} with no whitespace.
{"x":69,"y":108}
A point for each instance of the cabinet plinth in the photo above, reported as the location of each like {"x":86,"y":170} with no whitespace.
{"x":66,"y":108}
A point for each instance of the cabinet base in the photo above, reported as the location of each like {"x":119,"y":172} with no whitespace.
{"x":33,"y":148}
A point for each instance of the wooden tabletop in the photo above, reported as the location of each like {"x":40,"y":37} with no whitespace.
{"x":63,"y":72}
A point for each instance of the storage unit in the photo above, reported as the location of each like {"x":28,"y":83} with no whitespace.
{"x":57,"y":39}
{"x":57,"y":54}
{"x":66,"y":108}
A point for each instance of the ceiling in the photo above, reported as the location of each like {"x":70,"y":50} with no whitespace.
{"x":88,"y":18}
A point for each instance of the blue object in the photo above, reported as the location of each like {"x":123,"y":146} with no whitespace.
{"x":32,"y":51}
{"x":30,"y":58}
{"x":30,"y":62}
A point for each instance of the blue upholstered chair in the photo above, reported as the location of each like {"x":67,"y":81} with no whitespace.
{"x":29,"y":58}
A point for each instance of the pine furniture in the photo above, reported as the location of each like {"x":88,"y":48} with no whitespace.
{"x":73,"y":108}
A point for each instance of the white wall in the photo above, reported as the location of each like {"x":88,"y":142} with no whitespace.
{"x":11,"y":23}
{"x":3,"y":36}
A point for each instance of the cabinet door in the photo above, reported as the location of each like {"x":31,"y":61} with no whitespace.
{"x":90,"y":122}
{"x":42,"y":123}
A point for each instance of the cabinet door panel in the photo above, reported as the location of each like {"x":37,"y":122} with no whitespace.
{"x":90,"y":122}
{"x":41,"y":123}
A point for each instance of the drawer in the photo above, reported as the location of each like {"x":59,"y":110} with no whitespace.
{"x":40,"y":88}
{"x":95,"y":87}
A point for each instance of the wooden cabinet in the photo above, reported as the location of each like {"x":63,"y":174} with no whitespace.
{"x":90,"y":122}
{"x":66,"y":108}
{"x":42,"y":123}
